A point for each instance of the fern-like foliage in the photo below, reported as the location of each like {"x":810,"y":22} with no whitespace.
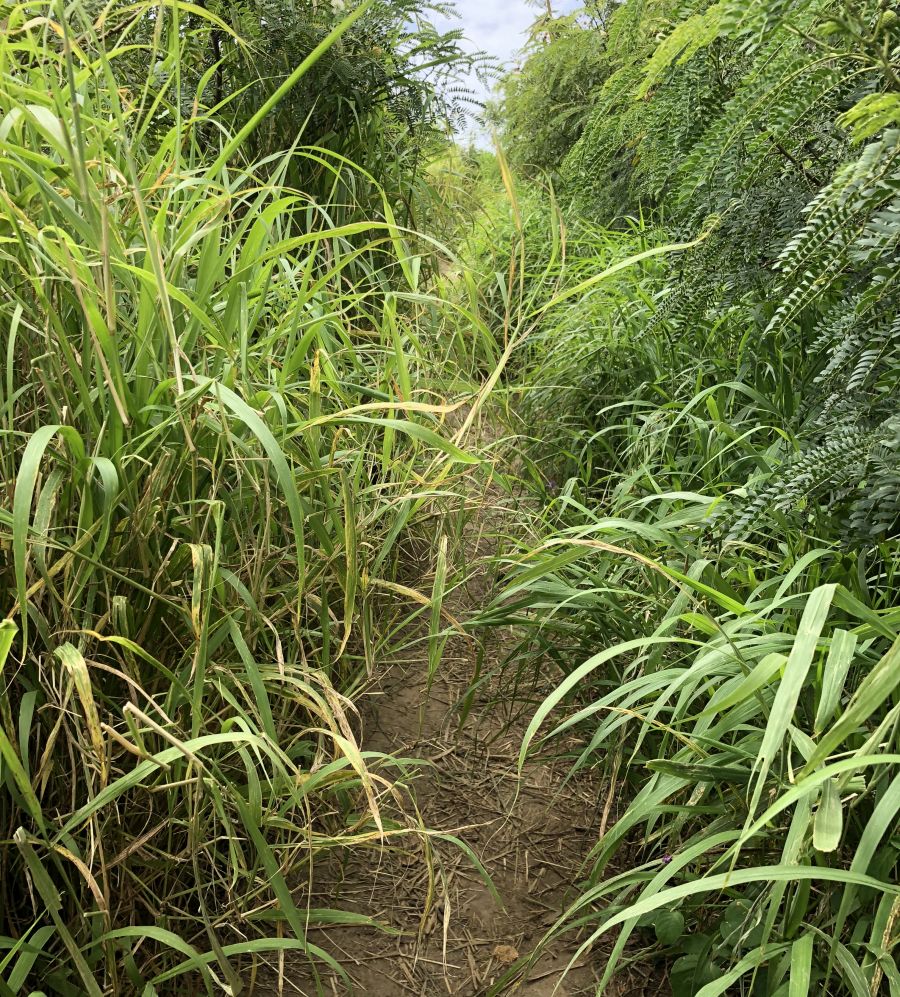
{"x":738,"y":416}
{"x":779,"y":120}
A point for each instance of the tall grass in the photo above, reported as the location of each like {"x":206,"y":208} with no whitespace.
{"x":214,"y":448}
{"x":227,"y":484}
{"x":738,"y":695}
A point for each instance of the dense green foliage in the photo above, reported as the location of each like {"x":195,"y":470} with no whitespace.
{"x":379,"y":96}
{"x":216,"y":443}
{"x":233,"y":346}
{"x":718,"y":585}
{"x":544,"y":105}
{"x":717,"y":577}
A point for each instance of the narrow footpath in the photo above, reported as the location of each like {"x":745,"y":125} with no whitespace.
{"x":530,"y":832}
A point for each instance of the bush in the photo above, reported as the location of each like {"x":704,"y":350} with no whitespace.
{"x":205,"y":479}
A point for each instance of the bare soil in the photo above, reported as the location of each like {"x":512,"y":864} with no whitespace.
{"x":531,"y":832}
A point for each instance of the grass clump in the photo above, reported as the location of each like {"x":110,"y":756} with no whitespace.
{"x":214,"y":446}
{"x":713,"y":569}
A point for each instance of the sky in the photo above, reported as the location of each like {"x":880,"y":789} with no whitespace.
{"x":498,"y":27}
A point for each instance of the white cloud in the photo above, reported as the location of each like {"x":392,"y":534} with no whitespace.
{"x":497,"y":27}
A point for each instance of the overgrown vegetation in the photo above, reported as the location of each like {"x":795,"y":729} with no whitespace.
{"x":717,"y":578}
{"x":248,"y":283}
{"x":217,"y":448}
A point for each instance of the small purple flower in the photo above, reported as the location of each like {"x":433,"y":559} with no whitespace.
{"x":666,"y":859}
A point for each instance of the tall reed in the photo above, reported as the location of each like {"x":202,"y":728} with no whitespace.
{"x":214,"y":446}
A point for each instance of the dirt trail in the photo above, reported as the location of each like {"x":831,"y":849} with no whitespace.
{"x":530,"y":832}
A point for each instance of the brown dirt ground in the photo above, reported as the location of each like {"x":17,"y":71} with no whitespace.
{"x":530,"y":832}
